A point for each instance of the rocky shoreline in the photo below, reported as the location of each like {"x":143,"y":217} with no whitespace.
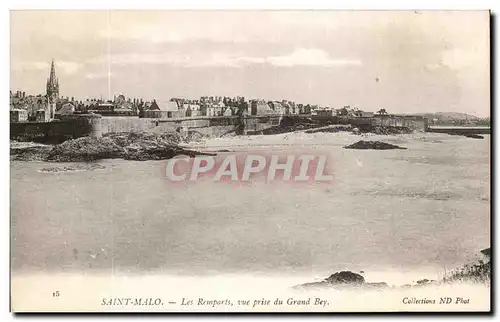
{"x":373,"y":145}
{"x":159,"y":146}
{"x":129,"y":146}
{"x":330,"y":128}
{"x":342,"y":280}
{"x":477,"y":273}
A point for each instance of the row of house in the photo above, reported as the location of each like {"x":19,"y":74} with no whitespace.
{"x":223,"y":106}
{"x":344,"y":111}
{"x":218,"y":106}
{"x":29,"y":108}
{"x":24,"y":108}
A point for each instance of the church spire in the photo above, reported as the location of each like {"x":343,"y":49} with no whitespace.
{"x":52,"y":79}
{"x":52,"y":84}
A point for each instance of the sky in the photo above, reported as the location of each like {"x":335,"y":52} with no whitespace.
{"x":403,"y":61}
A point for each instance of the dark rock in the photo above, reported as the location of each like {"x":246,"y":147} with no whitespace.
{"x":373,"y":145}
{"x":486,"y":252}
{"x":280,"y":129}
{"x":389,"y":130}
{"x":337,"y":280}
{"x":129,"y":146}
{"x":345,"y":277}
{"x":466,"y":134}
{"x":124,"y":139}
{"x":423,"y":281}
{"x":331,"y":129}
{"x":474,"y":136}
{"x":85,"y":149}
{"x":344,"y":280}
{"x":31,"y":153}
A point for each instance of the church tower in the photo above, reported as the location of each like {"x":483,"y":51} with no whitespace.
{"x":52,"y":91}
{"x":52,"y":85}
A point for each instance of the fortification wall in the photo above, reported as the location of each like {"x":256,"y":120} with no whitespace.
{"x":115,"y":124}
{"x":56,"y":131}
{"x":214,"y":126}
{"x":74,"y":126}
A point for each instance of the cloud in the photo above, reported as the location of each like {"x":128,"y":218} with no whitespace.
{"x":299,"y":57}
{"x":310,"y":57}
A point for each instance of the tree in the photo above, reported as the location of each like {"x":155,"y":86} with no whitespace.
{"x":382,"y":111}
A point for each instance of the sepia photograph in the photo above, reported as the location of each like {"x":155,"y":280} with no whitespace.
{"x":250,"y":161}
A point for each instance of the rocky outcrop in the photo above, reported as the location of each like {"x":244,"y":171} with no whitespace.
{"x":479,"y":272}
{"x":280,"y":129}
{"x":343,"y":280}
{"x":345,"y":277}
{"x":129,"y":146}
{"x":85,"y":149}
{"x":373,"y":145}
{"x":389,"y":130}
{"x":331,"y":129}
{"x":30,"y":153}
{"x":474,"y":136}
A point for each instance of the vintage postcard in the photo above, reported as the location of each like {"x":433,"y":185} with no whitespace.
{"x":250,"y":161}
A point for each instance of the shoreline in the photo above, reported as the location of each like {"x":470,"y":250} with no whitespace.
{"x":142,"y":146}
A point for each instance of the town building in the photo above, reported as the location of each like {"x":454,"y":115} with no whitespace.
{"x":258,"y":107}
{"x":163,"y":110}
{"x":103,"y":108}
{"x":325,"y":112}
{"x":290,"y":108}
{"x":18,"y":115}
{"x":67,"y":108}
{"x":215,"y":108}
{"x":212,"y":106}
{"x":276,"y":108}
{"x":192,"y":109}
